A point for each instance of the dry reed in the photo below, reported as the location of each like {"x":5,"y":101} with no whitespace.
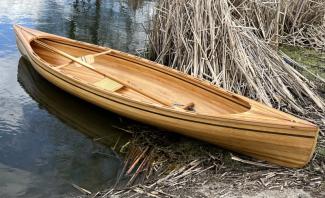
{"x":299,"y":22}
{"x":227,"y":42}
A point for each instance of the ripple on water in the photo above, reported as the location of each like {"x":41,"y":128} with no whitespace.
{"x":10,"y":116}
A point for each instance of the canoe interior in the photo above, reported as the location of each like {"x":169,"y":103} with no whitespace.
{"x":160,"y":84}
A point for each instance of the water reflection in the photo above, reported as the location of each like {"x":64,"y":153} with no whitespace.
{"x":135,"y":4}
{"x":57,"y":154}
{"x":115,"y":23}
{"x":46,"y":135}
{"x":91,"y":120}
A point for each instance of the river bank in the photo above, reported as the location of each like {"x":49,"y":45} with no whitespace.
{"x":230,"y":51}
{"x":178,"y":166}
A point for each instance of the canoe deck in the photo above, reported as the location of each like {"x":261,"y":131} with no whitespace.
{"x":155,"y":94}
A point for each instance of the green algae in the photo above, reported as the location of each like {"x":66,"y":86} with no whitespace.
{"x":312,"y":60}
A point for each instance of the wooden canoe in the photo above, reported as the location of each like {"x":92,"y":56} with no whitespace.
{"x":157,"y":95}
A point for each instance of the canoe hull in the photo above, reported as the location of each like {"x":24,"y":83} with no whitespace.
{"x":279,"y":148}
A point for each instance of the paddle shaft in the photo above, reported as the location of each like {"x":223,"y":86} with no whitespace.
{"x":106,"y":75}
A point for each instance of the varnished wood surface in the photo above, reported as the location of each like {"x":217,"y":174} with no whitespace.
{"x":219,"y":117}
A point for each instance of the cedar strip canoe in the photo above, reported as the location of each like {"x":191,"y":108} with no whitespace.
{"x":158,"y":95}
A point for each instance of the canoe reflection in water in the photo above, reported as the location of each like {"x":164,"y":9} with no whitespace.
{"x":81,"y":115}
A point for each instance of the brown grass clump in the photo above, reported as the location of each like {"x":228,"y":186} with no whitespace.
{"x":300,"y":22}
{"x":228,"y":43}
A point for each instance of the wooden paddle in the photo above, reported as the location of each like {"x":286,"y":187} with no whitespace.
{"x":78,"y":60}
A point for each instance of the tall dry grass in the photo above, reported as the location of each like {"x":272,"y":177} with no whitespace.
{"x":231,"y":43}
{"x":294,"y":22}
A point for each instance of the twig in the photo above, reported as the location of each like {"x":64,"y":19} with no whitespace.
{"x":82,"y":190}
{"x":253,"y":163}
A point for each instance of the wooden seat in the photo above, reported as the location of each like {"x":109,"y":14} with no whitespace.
{"x":108,"y":84}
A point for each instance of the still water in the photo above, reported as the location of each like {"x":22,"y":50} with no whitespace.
{"x":47,"y":137}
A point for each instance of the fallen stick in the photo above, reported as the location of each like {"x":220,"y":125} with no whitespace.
{"x":253,"y":163}
{"x":84,"y":191}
